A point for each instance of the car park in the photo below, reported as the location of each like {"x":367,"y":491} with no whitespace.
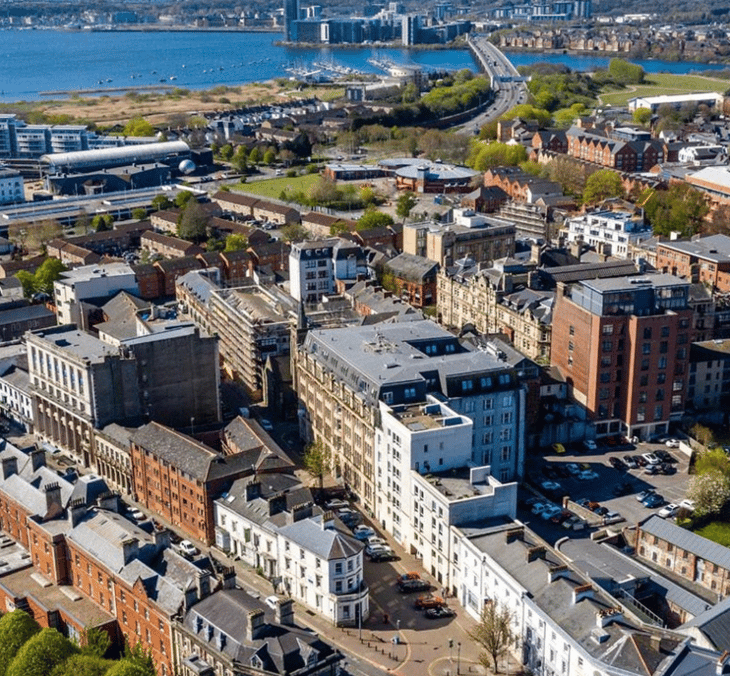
{"x":439,"y":613}
{"x":425,"y":602}
{"x":668,"y":511}
{"x":653,"y":500}
{"x":410,"y":586}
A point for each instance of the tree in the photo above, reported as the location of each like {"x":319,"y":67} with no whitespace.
{"x":404,"y":204}
{"x":270,"y":157}
{"x":139,"y":213}
{"x":493,"y":634}
{"x":704,"y":435}
{"x":161,"y":202}
{"x":128,"y":668}
{"x":374,"y":219}
{"x":226,"y":152}
{"x":494,"y":154}
{"x":16,"y":628}
{"x":236,"y":242}
{"x":338,"y":228}
{"x":49,"y":271}
{"x":624,"y":72}
{"x":710,"y":492}
{"x":193,"y":222}
{"x":102,"y":222}
{"x":294,"y":232}
{"x":254,"y":156}
{"x":138,"y":126}
{"x":681,"y":209}
{"x":40,"y":655}
{"x":642,"y":116}
{"x":83,"y":665}
{"x":182,"y":199}
{"x":714,"y":460}
{"x":602,"y":185}
{"x":95,"y":642}
{"x":317,"y":461}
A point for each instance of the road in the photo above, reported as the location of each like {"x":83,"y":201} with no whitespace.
{"x":508,"y":91}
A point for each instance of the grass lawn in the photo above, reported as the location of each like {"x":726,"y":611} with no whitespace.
{"x":272,"y":187}
{"x":717,"y":531}
{"x":665,"y":83}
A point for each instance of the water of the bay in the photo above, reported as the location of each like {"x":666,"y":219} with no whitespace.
{"x":37,"y":61}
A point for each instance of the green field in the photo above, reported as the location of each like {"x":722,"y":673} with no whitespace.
{"x":665,"y":83}
{"x":272,"y":187}
{"x":717,"y":531}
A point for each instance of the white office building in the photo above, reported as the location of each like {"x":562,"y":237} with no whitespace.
{"x":609,"y":232}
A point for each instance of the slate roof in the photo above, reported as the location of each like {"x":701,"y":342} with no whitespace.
{"x":714,"y":623}
{"x":188,"y":455}
{"x":282,"y":649}
{"x":327,"y":543}
{"x":413,"y":268}
{"x":685,"y":539}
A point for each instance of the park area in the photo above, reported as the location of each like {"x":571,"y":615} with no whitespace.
{"x":657,"y":84}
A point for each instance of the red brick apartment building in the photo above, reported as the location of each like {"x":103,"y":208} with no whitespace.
{"x":705,"y":260}
{"x":178,"y":477}
{"x":622,"y":344}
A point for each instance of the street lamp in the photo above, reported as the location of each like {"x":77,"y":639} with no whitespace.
{"x":458,"y":658}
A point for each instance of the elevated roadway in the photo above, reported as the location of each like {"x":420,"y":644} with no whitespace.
{"x":510,"y":88}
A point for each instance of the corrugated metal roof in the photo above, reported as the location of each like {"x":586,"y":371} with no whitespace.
{"x":135,"y":153}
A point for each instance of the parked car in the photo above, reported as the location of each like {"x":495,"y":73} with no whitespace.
{"x":644,"y":494}
{"x":410,"y":586}
{"x":572,"y":468}
{"x":424,"y":602}
{"x":666,"y":468}
{"x":665,"y":456}
{"x":688,"y":505}
{"x":336,"y":504}
{"x":562,"y":516}
{"x":640,"y":460}
{"x":672,"y":443}
{"x":630,"y":462}
{"x":375,"y":540}
{"x":272,"y":601}
{"x":622,"y":488}
{"x":601,"y":511}
{"x":138,"y":515}
{"x":407,"y":577}
{"x":650,"y":458}
{"x":617,"y":463}
{"x":612,"y":517}
{"x":266,"y":424}
{"x":668,"y":510}
{"x":187,"y":548}
{"x":549,"y":512}
{"x":558,"y":448}
{"x":381,"y":557}
{"x":439,"y":613}
{"x":652,"y":501}
{"x":370,"y":550}
{"x":538,"y":508}
{"x":583,"y":502}
{"x":587,"y":475}
{"x":590,"y":445}
{"x":362,"y":532}
{"x":551,"y":486}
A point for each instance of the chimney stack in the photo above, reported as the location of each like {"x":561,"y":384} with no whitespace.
{"x":202,"y":583}
{"x":130,"y":549}
{"x":721,"y":663}
{"x":9,"y":466}
{"x":37,"y":459}
{"x":254,"y":622}
{"x":284,"y":612}
{"x":253,"y":490}
{"x":53,"y":500}
{"x":515,"y":534}
{"x":608,"y":615}
{"x":228,"y":578}
{"x":535,"y":553}
{"x":109,"y":501}
{"x":556,"y":572}
{"x":584,"y":591}
{"x":328,"y":520}
{"x":76,"y":511}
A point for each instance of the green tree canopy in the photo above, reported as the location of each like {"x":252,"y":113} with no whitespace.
{"x":374,"y":219}
{"x":642,"y":116}
{"x":49,"y":271}
{"x":16,"y":628}
{"x":270,"y":156}
{"x":138,"y":126}
{"x":254,"y":156}
{"x":182,"y":198}
{"x":602,"y":185}
{"x":624,"y":72}
{"x":317,"y":461}
{"x":41,"y":654}
{"x":295,"y":232}
{"x":713,"y":460}
{"x":493,"y":634}
{"x":525,"y":111}
{"x":236,"y":242}
{"x":482,"y":156}
{"x":161,"y":202}
{"x":83,"y":665}
{"x":139,"y":213}
{"x":710,"y":492}
{"x":404,"y":204}
{"x":193,"y":222}
{"x":680,"y":209}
